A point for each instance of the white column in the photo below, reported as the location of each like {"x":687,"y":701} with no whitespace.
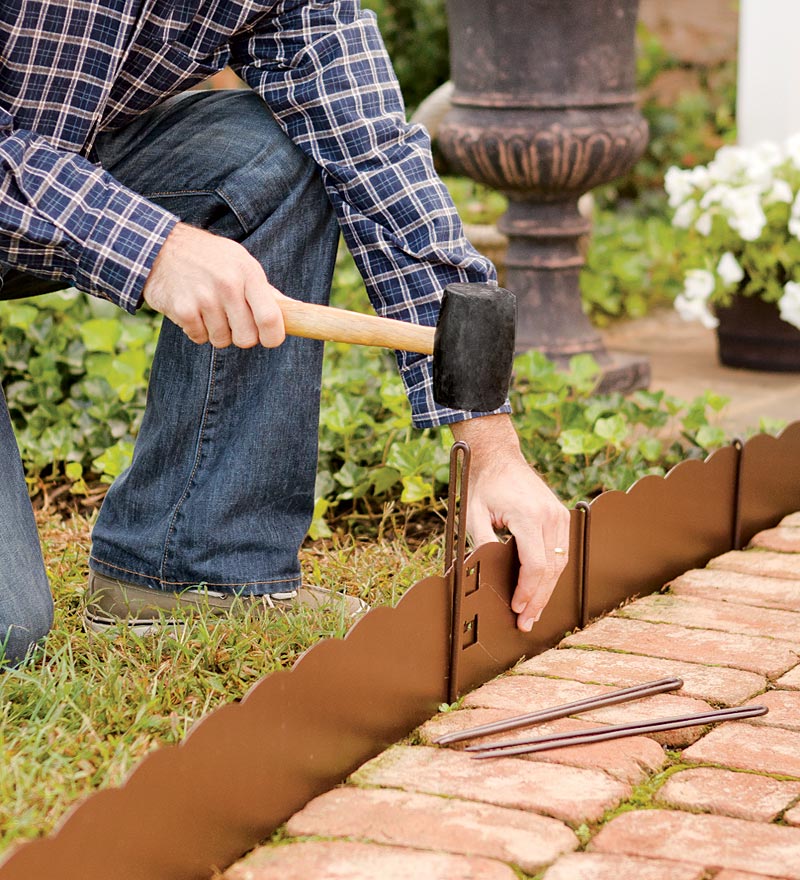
{"x":768,"y":102}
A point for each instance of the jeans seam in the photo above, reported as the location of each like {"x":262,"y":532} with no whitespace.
{"x":197,"y":455}
{"x":181,"y":192}
{"x":141,"y":574}
{"x":233,"y":209}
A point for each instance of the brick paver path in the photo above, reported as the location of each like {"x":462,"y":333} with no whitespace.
{"x":694,"y":804}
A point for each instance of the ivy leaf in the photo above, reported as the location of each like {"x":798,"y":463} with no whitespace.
{"x":415,"y":489}
{"x":114,"y":460}
{"x":575,"y":442}
{"x":101,"y":334}
{"x":612,"y":429}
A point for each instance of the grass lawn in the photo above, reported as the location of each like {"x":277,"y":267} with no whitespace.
{"x":81,"y":712}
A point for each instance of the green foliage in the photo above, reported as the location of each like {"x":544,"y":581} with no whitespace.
{"x":586,"y":444}
{"x":415,"y":32}
{"x":74,"y":371}
{"x":631,"y":261}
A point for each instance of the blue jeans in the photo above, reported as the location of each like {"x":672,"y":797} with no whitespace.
{"x":26,"y":607}
{"x":221,"y":487}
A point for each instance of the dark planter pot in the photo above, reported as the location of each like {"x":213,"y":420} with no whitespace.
{"x":752,"y":335}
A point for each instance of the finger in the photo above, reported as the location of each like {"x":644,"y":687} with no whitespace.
{"x":555,"y":534}
{"x":533,"y":567}
{"x":219,"y":330}
{"x":195,"y":329}
{"x":267,"y":316}
{"x":479,"y":526}
{"x":244,"y":332}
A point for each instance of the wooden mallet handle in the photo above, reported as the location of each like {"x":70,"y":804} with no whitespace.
{"x":337,"y":325}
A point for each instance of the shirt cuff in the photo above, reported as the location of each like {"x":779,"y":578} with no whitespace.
{"x":425,"y":412}
{"x":120,"y":251}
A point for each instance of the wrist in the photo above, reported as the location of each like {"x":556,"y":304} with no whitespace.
{"x":488,"y":436}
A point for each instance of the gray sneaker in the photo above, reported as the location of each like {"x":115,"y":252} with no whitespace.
{"x":145,"y":611}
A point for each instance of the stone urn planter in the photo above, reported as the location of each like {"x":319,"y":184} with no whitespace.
{"x":752,"y":335}
{"x":543,"y":109}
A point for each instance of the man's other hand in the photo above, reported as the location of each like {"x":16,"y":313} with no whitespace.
{"x":505,"y":492}
{"x":214,"y":291}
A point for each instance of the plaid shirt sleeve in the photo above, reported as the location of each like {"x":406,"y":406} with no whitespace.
{"x":63,"y":218}
{"x":323,"y":70}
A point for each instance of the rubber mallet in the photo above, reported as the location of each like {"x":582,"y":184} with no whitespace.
{"x":472,"y":344}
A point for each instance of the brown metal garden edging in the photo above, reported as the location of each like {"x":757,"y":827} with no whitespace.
{"x":188,"y":810}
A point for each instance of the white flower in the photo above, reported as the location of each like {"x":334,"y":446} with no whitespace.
{"x":692,"y":304}
{"x":769,"y":153}
{"x":729,"y":165}
{"x":695,"y":310}
{"x":699,"y":177}
{"x":703,"y":223}
{"x":780,"y":192}
{"x":745,"y":214}
{"x":793,"y":150}
{"x":729,"y":269}
{"x":715,"y":195}
{"x":698,"y":285}
{"x":789,"y":304}
{"x":684,"y":215}
{"x":678,"y":185}
{"x":794,"y":219}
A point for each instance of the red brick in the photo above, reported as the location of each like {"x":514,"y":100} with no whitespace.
{"x":740,"y":795}
{"x":747,"y":747}
{"x":631,"y":760}
{"x":440,"y":824}
{"x":722,"y":686}
{"x":517,"y":694}
{"x":751,"y":653}
{"x":711,"y":841}
{"x":784,"y":709}
{"x":763,"y":563}
{"x":725,"y":616}
{"x":792,"y":817}
{"x":742,"y":875}
{"x":605,"y":866}
{"x":782,"y":539}
{"x":744,"y":589}
{"x":791,"y":680}
{"x":525,"y":693}
{"x":361,"y":861}
{"x":572,"y":794}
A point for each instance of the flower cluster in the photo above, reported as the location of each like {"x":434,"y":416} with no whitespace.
{"x":742,"y":216}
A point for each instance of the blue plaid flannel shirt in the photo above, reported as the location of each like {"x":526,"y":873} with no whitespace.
{"x":71,"y":70}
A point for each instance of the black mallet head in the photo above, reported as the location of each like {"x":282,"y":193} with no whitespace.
{"x":474,"y":347}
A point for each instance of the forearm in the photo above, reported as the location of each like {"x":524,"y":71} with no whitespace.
{"x":62,"y":217}
{"x":488,"y":437}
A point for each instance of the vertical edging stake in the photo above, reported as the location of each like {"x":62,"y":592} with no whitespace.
{"x":455,"y":552}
